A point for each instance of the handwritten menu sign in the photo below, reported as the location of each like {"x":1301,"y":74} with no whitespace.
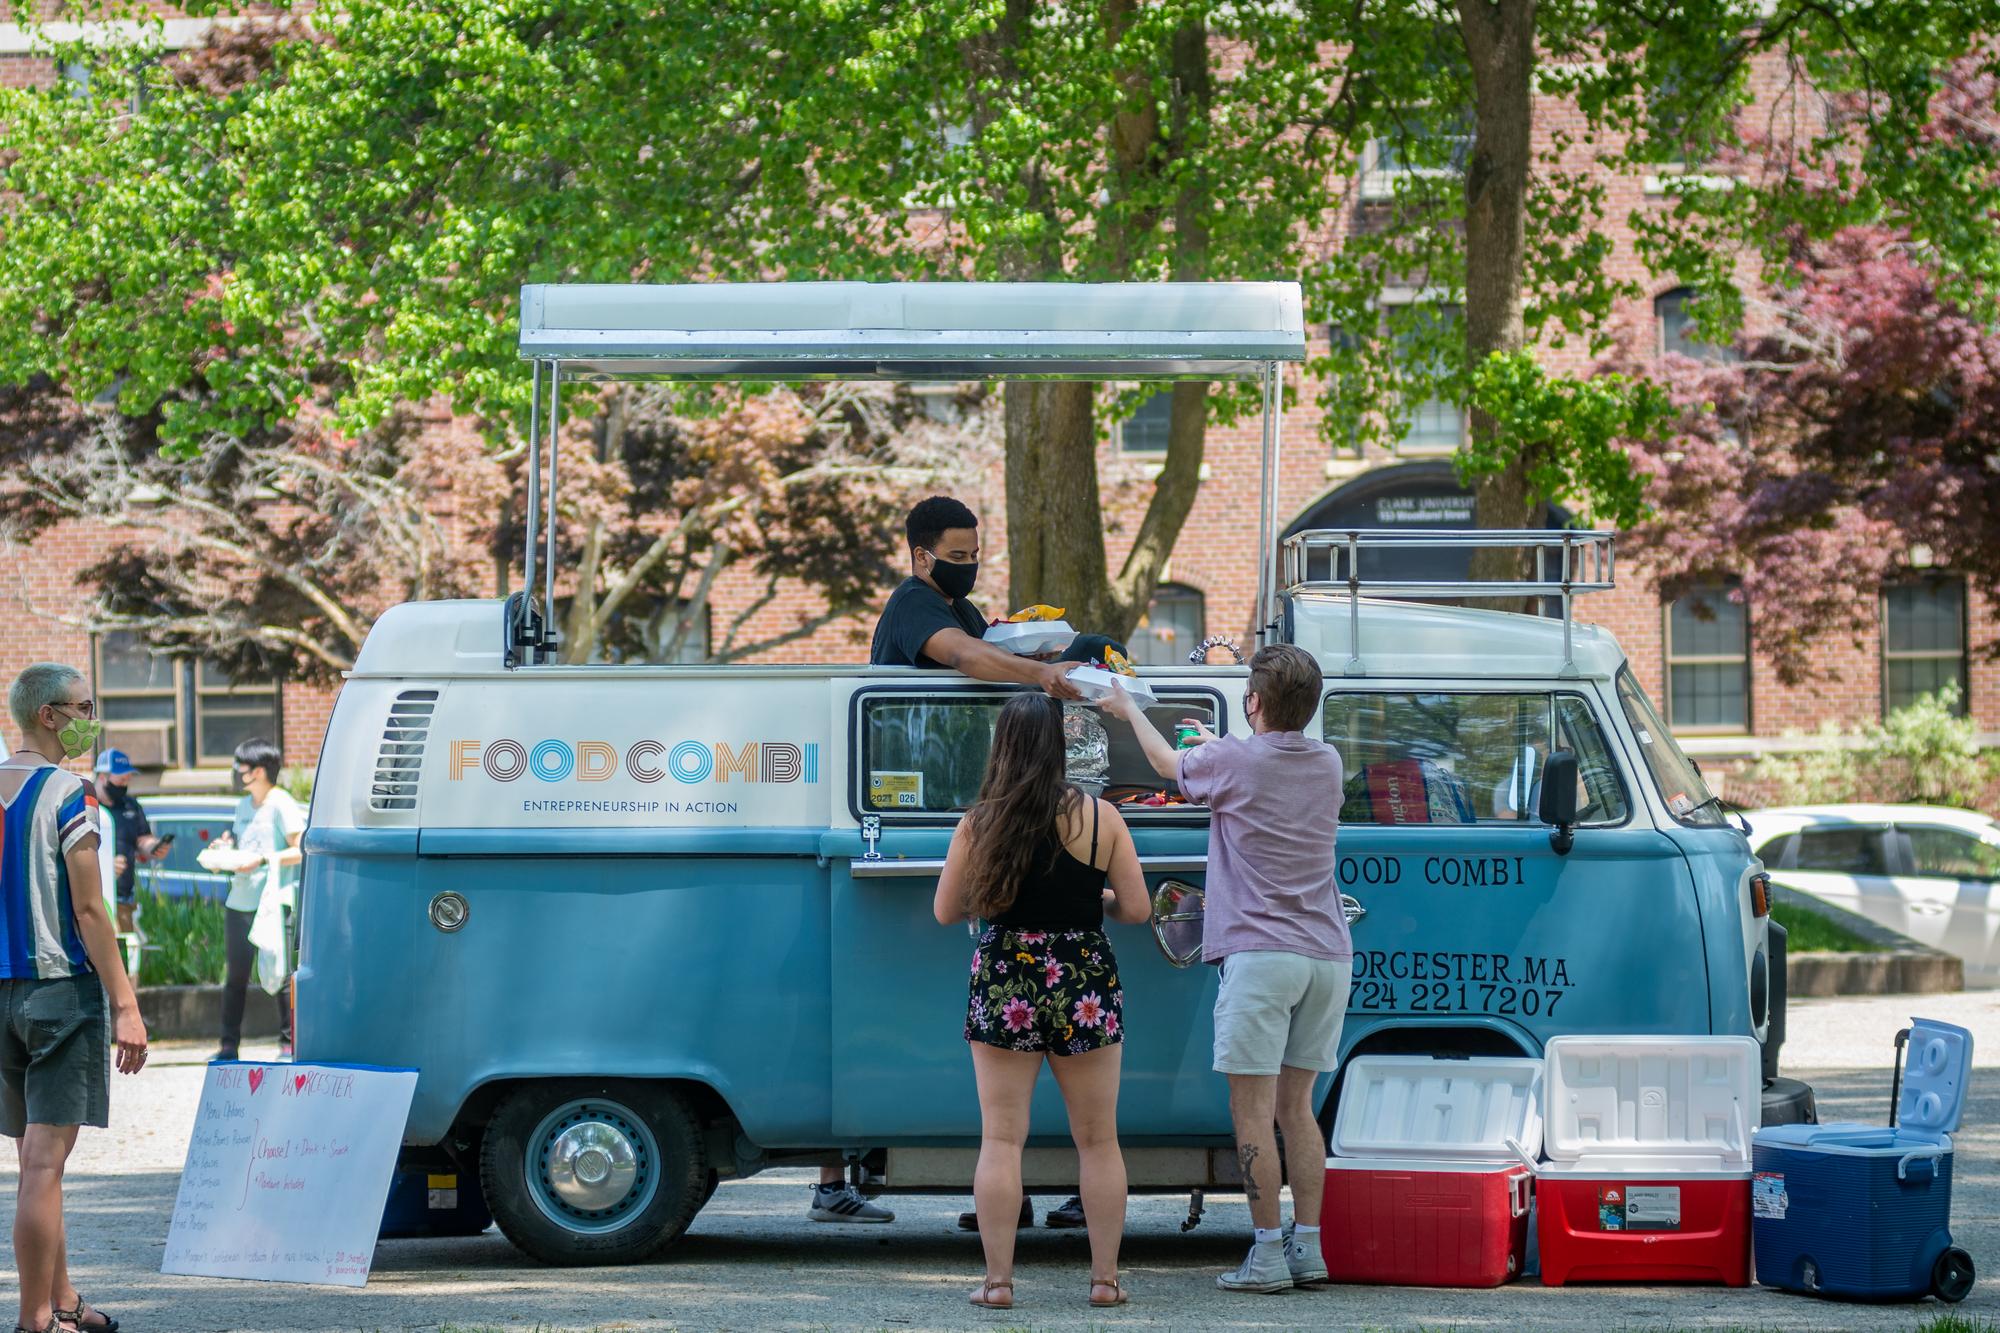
{"x":288,"y":1171}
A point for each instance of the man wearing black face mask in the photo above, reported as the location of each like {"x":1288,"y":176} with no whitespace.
{"x":928,"y":621}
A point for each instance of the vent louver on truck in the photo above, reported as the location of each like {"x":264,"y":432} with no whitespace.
{"x":401,"y":757}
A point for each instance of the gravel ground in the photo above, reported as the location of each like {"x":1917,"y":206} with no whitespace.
{"x":753,"y":1261}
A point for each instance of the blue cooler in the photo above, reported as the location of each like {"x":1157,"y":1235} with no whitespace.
{"x":434,"y":1201}
{"x":1864,"y":1211}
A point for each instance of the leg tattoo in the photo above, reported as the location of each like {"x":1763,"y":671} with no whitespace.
{"x":1246,"y":1156}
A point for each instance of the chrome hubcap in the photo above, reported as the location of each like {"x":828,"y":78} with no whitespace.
{"x":592,"y":1166}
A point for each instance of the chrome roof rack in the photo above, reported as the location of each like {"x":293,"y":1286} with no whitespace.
{"x":1565,"y":564}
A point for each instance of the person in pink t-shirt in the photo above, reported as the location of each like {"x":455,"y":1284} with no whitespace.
{"x":1274,"y":925}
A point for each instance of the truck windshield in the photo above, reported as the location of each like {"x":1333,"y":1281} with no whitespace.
{"x":1687,"y":796}
{"x":1466,"y":758}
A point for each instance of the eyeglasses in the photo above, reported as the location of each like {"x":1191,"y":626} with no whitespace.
{"x":83,"y":707}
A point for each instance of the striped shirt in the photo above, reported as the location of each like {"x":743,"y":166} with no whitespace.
{"x":50,"y":812}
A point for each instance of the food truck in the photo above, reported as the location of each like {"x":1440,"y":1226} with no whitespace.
{"x":646,"y":928}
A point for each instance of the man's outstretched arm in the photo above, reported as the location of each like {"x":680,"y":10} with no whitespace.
{"x":983,"y":661}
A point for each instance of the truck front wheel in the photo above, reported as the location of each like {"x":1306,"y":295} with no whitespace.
{"x":593,"y":1172}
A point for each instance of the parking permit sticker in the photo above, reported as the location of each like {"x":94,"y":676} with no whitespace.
{"x":1653,"y":1208}
{"x":1767,"y":1195}
{"x":889,"y":790}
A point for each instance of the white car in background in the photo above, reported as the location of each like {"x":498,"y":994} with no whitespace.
{"x":1925,"y":871}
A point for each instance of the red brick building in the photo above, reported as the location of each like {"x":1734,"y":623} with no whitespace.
{"x":1722,"y":698}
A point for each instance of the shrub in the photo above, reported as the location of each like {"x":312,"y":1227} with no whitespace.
{"x":1923,"y":753}
{"x":298,"y":781}
{"x":184,"y":940}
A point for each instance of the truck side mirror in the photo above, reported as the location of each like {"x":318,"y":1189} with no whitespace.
{"x":1558,"y":803}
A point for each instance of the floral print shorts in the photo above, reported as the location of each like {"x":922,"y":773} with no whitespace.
{"x":1050,"y":991}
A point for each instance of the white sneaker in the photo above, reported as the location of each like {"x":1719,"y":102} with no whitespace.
{"x":843,"y":1203}
{"x":1264,"y":1270}
{"x":1307,"y":1263}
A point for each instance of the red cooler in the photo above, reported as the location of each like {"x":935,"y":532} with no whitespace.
{"x":1648,"y":1177}
{"x":1425,"y":1187}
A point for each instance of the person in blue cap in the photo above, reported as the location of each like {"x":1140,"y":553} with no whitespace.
{"x":134,"y":840}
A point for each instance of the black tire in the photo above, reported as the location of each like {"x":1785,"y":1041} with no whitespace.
{"x":662,"y":1154}
{"x":708,"y":1190}
{"x":1951,"y":1276}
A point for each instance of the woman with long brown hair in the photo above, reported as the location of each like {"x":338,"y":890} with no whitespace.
{"x":1032,"y":859}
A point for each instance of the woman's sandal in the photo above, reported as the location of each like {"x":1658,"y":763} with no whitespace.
{"x":78,"y":1318}
{"x":1116,"y":1289}
{"x":57,"y":1324}
{"x":983,"y":1298}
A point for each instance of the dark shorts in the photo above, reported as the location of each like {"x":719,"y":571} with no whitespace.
{"x":55,"y":1053}
{"x":1048,"y":991}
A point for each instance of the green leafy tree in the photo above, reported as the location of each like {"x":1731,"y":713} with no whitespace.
{"x":374,"y":192}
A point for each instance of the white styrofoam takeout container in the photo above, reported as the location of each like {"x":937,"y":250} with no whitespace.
{"x":1031,"y":637}
{"x":1096,"y":684}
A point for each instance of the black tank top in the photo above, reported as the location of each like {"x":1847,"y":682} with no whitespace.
{"x":1067,"y":896}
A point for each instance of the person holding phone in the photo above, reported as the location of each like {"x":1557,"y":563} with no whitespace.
{"x":133,"y":842}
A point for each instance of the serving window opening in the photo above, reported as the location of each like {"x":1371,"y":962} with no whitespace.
{"x":923,"y":755}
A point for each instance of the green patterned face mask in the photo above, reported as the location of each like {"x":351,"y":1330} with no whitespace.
{"x":78,"y":735}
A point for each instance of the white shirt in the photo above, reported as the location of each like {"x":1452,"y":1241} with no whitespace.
{"x":264,"y":830}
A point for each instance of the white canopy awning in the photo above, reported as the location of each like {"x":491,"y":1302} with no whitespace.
{"x":915,"y":331}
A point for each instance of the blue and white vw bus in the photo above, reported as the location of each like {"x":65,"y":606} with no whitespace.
{"x":645,"y":928}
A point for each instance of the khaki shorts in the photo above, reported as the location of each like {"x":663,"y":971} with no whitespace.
{"x":55,"y":1053}
{"x":1277,"y":1009}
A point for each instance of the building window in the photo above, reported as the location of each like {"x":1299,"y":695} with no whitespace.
{"x":138,"y":699}
{"x":1426,"y":143}
{"x":170,"y":712}
{"x":1437,"y":425}
{"x":1677,"y":335}
{"x":1923,"y":641}
{"x":1708,"y":660}
{"x":227,"y":713}
{"x":1146,"y":430}
{"x":1174,"y":623}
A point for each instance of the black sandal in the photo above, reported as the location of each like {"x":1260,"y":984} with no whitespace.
{"x":75,"y":1318}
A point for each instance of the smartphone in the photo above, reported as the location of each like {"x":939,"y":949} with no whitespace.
{"x":163,"y":840}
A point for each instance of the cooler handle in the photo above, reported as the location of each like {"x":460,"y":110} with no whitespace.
{"x":1517,"y":1194}
{"x":1930,"y":1155}
{"x":1522,"y":1153}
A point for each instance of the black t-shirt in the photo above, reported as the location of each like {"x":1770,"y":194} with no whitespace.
{"x":916,"y":611}
{"x":129,"y":824}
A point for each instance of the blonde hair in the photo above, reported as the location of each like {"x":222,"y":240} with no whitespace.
{"x":36,"y":688}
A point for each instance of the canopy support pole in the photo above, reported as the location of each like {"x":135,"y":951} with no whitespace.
{"x":534,"y":472}
{"x":551,"y":636}
{"x":1267,"y":508}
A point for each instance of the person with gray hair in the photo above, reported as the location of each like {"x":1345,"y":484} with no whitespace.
{"x":59,"y":965}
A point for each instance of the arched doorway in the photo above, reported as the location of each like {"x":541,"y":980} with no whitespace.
{"x":1404,"y":495}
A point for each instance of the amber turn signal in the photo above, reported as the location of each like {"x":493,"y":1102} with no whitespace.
{"x":1760,"y":894}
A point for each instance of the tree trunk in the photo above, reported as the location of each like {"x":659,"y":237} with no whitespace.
{"x":1055,"y":523}
{"x":1500,"y":44}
